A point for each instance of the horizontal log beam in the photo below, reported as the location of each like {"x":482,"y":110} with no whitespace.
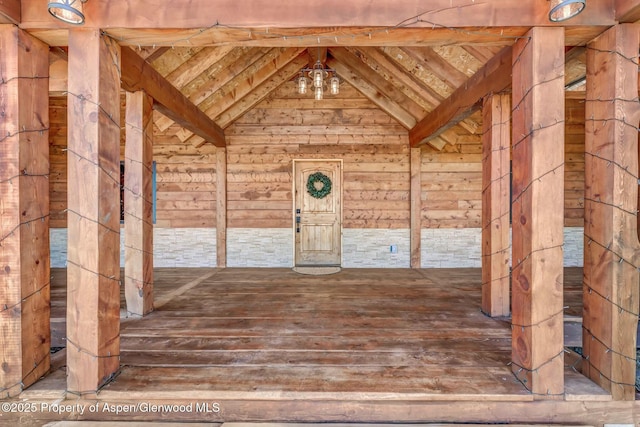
{"x":319,"y":36}
{"x":137,"y":74}
{"x":287,"y":13}
{"x":627,"y":10}
{"x":10,"y":11}
{"x":494,"y":76}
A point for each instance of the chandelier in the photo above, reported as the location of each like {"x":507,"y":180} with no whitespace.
{"x":316,"y":78}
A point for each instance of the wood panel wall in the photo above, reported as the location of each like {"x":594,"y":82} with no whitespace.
{"x":289,"y":126}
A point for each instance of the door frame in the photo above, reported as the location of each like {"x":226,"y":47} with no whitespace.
{"x":293,"y":202}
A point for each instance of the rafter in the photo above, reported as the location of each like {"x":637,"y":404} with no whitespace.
{"x":383,"y":101}
{"x":394,"y":73}
{"x":137,"y":74}
{"x":239,"y":90}
{"x":287,"y":13}
{"x":495,"y":76}
{"x":375,"y":80}
{"x":444,"y":70}
{"x":262,"y":91}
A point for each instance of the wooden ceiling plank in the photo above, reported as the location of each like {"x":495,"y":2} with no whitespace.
{"x":440,"y":67}
{"x":137,"y":74}
{"x":391,"y":71}
{"x":495,"y":76}
{"x":352,"y":61}
{"x":231,"y":92}
{"x":627,"y":10}
{"x":245,"y":83}
{"x":190,"y":69}
{"x":330,"y":13}
{"x":171,"y":59}
{"x":380,"y":99}
{"x":150,"y":53}
{"x":199,"y":88}
{"x":438,"y":89}
{"x":197,"y":65}
{"x":575,"y":65}
{"x":10,"y":11}
{"x":263,"y":91}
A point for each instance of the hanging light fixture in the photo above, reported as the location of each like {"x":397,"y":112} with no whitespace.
{"x":69,"y":11}
{"x":316,"y":77}
{"x":561,"y":10}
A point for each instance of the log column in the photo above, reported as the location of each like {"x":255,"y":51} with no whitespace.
{"x":138,"y":204}
{"x":221,"y":207}
{"x":25,"y":336}
{"x":496,"y":180}
{"x":612,"y":252}
{"x":416,"y":207}
{"x":93,"y":273}
{"x":538,"y":211}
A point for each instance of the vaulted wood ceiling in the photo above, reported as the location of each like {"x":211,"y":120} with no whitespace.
{"x":406,"y":82}
{"x":417,"y":75}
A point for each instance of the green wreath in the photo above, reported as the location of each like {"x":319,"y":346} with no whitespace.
{"x":311,"y":185}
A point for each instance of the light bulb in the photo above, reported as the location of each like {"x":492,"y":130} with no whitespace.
{"x":335,"y":85}
{"x":302,"y":85}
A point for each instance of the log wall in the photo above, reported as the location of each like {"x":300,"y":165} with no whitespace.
{"x":285,"y":126}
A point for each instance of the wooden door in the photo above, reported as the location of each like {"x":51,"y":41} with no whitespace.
{"x":318,"y":212}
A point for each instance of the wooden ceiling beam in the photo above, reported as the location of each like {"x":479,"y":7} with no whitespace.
{"x":627,"y":10}
{"x":319,"y":36}
{"x":10,"y":11}
{"x":495,"y":76}
{"x":137,"y":74}
{"x":329,"y":13}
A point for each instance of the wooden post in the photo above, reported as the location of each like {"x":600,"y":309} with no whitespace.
{"x":138,"y":204}
{"x":496,"y":204}
{"x":612,"y":252}
{"x":25,"y":336}
{"x":221,"y":207}
{"x":538,"y":211}
{"x":93,"y":272}
{"x":416,"y":207}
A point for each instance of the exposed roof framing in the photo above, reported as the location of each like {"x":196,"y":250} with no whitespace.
{"x":495,"y":76}
{"x":427,"y":73}
{"x":137,"y":74}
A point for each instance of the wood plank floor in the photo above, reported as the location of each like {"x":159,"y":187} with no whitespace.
{"x":359,"y":346}
{"x":410,"y":334}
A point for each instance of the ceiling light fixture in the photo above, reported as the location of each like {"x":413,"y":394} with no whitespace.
{"x":69,"y":11}
{"x":316,"y":78}
{"x":561,"y":10}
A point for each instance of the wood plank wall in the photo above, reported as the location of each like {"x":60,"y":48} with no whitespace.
{"x":285,"y":126}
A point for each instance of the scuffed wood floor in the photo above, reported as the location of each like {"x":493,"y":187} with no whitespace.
{"x":376,"y":333}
